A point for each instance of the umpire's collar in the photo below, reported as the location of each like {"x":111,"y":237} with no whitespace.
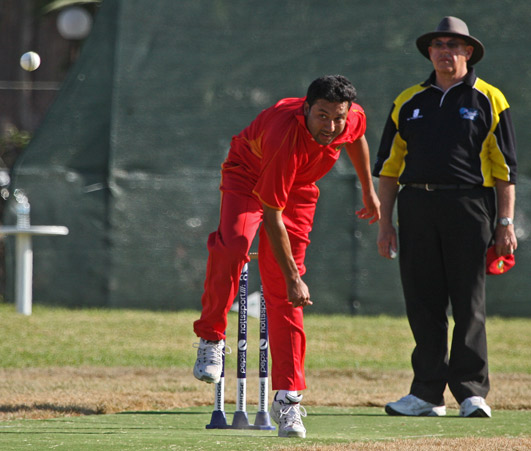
{"x":469,"y":80}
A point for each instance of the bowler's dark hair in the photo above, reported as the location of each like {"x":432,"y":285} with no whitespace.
{"x":332,"y":88}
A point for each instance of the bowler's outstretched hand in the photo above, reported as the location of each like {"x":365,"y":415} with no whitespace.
{"x":371,"y":209}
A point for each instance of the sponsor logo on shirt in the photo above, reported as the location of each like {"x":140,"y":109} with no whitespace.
{"x":469,"y":113}
{"x":416,"y":115}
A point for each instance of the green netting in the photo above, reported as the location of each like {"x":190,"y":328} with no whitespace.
{"x":128,"y":156}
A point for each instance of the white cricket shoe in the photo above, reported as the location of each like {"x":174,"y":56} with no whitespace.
{"x":475,"y":407}
{"x":209,"y":363}
{"x":287,"y":414}
{"x":410,"y":405}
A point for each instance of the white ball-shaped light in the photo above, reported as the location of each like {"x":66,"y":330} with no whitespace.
{"x":74,"y":22}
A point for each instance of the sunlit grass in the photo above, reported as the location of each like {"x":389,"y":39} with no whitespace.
{"x":93,"y":337}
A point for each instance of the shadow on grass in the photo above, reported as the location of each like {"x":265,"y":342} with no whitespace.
{"x":68,"y":409}
{"x":169,"y":412}
{"x":159,"y":412}
{"x":381,"y":414}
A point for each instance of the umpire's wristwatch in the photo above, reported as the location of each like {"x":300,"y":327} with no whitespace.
{"x":505,"y":221}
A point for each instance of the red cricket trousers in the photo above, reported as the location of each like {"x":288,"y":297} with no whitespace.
{"x":228,"y":247}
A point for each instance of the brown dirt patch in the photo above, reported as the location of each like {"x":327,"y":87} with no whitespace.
{"x":39,"y":393}
{"x":451,"y":444}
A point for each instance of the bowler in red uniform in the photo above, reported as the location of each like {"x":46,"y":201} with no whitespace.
{"x":269,"y":177}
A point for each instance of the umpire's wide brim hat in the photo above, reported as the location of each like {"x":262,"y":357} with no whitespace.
{"x":452,"y":26}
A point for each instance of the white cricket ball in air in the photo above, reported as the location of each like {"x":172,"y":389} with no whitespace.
{"x":30,"y":61}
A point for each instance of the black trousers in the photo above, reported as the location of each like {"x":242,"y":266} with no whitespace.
{"x":443,"y":239}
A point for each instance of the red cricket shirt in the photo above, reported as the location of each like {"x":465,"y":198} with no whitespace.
{"x":276,"y":155}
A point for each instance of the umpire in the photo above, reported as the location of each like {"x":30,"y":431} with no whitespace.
{"x":448,"y":155}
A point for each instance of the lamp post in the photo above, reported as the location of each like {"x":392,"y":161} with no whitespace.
{"x":23,"y":232}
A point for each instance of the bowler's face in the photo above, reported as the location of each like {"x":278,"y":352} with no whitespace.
{"x":326,"y":120}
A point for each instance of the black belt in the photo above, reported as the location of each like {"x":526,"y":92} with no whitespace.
{"x":435,"y":186}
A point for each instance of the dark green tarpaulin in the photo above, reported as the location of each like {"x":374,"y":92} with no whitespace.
{"x":128,"y":156}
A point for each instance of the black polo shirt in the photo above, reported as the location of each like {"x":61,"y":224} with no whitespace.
{"x":463,"y":135}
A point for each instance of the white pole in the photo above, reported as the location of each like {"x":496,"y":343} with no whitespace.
{"x":23,"y":273}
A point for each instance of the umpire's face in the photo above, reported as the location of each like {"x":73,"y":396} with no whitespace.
{"x":326,"y":120}
{"x":449,"y":55}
